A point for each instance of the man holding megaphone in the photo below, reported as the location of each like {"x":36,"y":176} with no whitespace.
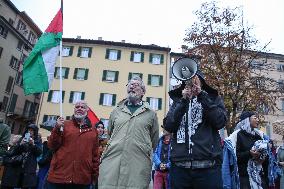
{"x":194,"y":118}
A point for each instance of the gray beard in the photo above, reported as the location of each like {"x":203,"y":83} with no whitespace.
{"x":80,"y":117}
{"x":133,"y":98}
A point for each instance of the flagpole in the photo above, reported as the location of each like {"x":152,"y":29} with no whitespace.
{"x":60,"y":80}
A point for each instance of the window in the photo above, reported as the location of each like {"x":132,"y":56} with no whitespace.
{"x":156,"y":58}
{"x":107,"y":99}
{"x":113,"y":54}
{"x":131,"y":75}
{"x":11,"y":21}
{"x":110,"y":76}
{"x":14,"y":63}
{"x":1,"y":50}
{"x":3,"y":31}
{"x":67,"y":51}
{"x":27,"y":109}
{"x":21,"y":25}
{"x":280,"y":67}
{"x":4,"y":103}
{"x":155,"y":103}
{"x":76,"y":96}
{"x":23,"y":58}
{"x":49,"y":118}
{"x":155,"y":80}
{"x":64,"y":72}
{"x":137,"y":56}
{"x":81,"y":74}
{"x":256,"y":64}
{"x":9,"y":84}
{"x":280,"y":84}
{"x":20,"y":45}
{"x":32,"y":37}
{"x":19,"y":79}
{"x":54,"y":96}
{"x":13,"y":103}
{"x":84,"y":52}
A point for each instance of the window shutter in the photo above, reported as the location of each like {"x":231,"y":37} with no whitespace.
{"x":148,"y":100}
{"x":150,"y":57}
{"x":90,"y":52}
{"x":66,"y":73}
{"x":63,"y":95}
{"x":71,"y":96}
{"x":107,"y":54}
{"x":118,"y":54}
{"x":104,"y":75}
{"x":149,"y":79}
{"x":101,"y":98}
{"x":79,"y":52}
{"x":162,"y":58}
{"x":161,"y":81}
{"x":75,"y":73}
{"x":83,"y":96}
{"x":129,"y":76}
{"x":86,"y":74}
{"x":116,"y":76}
{"x":49,"y":95}
{"x":44,"y":118}
{"x":71,"y":51}
{"x":160,"y":104}
{"x":113,"y":99}
{"x":132,"y":56}
{"x":142,"y":57}
{"x":55,"y":72}
{"x":141,"y":76}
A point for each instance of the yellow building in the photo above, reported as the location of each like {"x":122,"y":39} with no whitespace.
{"x":97,"y":71}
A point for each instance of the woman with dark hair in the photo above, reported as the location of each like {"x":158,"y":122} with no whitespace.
{"x":23,"y":173}
{"x":102,"y":137}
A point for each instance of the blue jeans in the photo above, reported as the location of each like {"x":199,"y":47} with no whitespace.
{"x":187,"y":178}
{"x":66,"y":186}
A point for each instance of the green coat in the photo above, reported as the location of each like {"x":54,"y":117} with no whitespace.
{"x":5,"y":135}
{"x":127,"y":160}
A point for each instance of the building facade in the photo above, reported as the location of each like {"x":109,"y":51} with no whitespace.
{"x":98,"y":71}
{"x":18,"y":34}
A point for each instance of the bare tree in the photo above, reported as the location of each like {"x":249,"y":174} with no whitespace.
{"x":234,"y":62}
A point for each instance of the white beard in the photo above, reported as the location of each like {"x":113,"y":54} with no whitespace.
{"x":80,"y":117}
{"x":133,"y":98}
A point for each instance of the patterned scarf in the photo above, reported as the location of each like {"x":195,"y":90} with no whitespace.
{"x":245,"y":125}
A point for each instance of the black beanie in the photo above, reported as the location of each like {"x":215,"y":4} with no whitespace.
{"x":246,"y":114}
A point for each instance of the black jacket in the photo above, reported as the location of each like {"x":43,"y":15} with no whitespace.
{"x":206,"y":140}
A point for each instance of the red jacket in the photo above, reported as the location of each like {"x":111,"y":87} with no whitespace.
{"x":76,"y":157}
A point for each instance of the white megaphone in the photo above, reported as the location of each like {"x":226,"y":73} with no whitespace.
{"x":184,"y":69}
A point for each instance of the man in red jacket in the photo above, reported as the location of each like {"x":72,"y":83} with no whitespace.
{"x":75,"y":163}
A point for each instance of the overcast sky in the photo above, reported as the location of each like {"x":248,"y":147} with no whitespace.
{"x":160,"y":22}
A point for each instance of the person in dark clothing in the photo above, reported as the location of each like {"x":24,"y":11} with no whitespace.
{"x":194,"y":118}
{"x":23,"y":175}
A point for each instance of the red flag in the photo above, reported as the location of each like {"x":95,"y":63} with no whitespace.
{"x":93,"y":117}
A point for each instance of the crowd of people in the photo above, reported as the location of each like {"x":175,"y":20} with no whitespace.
{"x":189,"y":154}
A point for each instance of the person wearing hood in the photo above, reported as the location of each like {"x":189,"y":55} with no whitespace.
{"x":195,"y":118}
{"x":247,"y":162}
{"x":75,"y":161}
{"x":133,"y":134}
{"x":280,"y":159}
{"x":102,"y":137}
{"x":23,"y":175}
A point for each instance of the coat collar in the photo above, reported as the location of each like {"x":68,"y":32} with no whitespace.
{"x":122,"y":105}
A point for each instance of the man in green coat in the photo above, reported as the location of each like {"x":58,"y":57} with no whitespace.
{"x":133,"y":134}
{"x":5,"y":135}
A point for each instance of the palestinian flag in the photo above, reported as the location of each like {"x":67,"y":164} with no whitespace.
{"x":39,"y":67}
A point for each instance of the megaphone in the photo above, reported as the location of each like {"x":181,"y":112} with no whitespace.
{"x":184,"y":69}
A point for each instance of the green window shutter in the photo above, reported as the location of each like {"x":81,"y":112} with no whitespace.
{"x":129,"y":76}
{"x":161,"y":81}
{"x":101,"y":98}
{"x":71,"y":51}
{"x":116,"y":76}
{"x":55,"y":71}
{"x":104,"y":75}
{"x":150,"y":57}
{"x":83,"y":96}
{"x":49,"y":95}
{"x":44,"y":118}
{"x":113,"y":99}
{"x":148,"y":100}
{"x":63,"y":95}
{"x":141,"y":76}
{"x":142,"y":57}
{"x":149,"y":79}
{"x":162,"y":58}
{"x":159,"y":104}
{"x":79,"y":52}
{"x":71,"y":96}
{"x":86,"y":74}
{"x":90,"y":52}
{"x":132,"y":56}
{"x":118,"y":54}
{"x":75,"y":73}
{"x":66,"y":73}
{"x":107,"y":54}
